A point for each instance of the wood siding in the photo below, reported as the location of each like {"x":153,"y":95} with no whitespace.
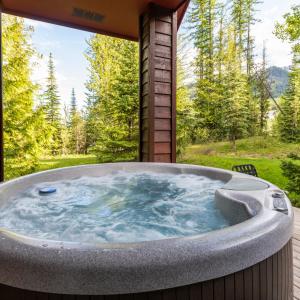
{"x":158,"y":33}
{"x":269,"y":279}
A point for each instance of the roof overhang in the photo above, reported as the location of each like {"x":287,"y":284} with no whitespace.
{"x":119,"y":18}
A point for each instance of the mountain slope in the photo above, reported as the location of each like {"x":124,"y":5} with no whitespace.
{"x":278,"y":78}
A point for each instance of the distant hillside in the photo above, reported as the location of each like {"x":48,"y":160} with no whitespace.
{"x":278,"y":79}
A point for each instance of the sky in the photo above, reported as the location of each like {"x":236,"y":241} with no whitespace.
{"x":68,"y":47}
{"x":269,"y":12}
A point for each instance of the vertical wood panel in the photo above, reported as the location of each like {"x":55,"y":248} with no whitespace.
{"x":256,"y":281}
{"x":219,"y":288}
{"x":44,"y":296}
{"x":208,"y":290}
{"x":270,"y":278}
{"x":58,"y":297}
{"x":263,"y":279}
{"x":248,"y":284}
{"x":174,"y":81}
{"x":290,"y":271}
{"x":151,"y":71}
{"x":279,"y":276}
{"x":275,"y":277}
{"x":182,"y":293}
{"x":229,"y":287}
{"x":155,"y":295}
{"x":169,"y":294}
{"x":141,"y":296}
{"x":68,"y":297}
{"x":196,"y":292}
{"x":83,"y":298}
{"x":141,"y":98}
{"x":7,"y":292}
{"x":239,"y":285}
{"x":285,"y":273}
{"x":128,"y":297}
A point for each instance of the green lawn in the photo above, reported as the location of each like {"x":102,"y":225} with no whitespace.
{"x":268,"y":169}
{"x":66,"y":161}
{"x":256,"y":147}
{"x":265,"y":153}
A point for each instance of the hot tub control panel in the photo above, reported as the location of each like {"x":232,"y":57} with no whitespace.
{"x":279,"y":201}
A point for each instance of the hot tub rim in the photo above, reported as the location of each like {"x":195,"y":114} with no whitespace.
{"x":29,"y":256}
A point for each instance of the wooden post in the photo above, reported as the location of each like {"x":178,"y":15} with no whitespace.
{"x":1,"y":106}
{"x":158,"y":34}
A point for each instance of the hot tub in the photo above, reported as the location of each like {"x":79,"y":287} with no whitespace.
{"x":249,"y":258}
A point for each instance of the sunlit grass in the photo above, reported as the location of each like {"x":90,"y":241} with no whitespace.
{"x":268,"y":147}
{"x":266,"y":153}
{"x":66,"y":161}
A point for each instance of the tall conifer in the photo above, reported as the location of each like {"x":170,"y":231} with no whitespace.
{"x":25,"y":131}
{"x":52,"y":108}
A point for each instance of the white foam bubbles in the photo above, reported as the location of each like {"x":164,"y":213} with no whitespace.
{"x":120,"y":207}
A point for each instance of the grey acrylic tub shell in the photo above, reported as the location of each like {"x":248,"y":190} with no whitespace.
{"x":74,"y":268}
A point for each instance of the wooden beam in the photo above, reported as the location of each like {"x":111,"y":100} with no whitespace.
{"x":158,"y":36}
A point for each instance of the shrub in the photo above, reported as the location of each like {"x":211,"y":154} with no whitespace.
{"x":292,"y":171}
{"x":294,"y":156}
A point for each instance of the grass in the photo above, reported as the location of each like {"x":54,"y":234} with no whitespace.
{"x":256,"y":147}
{"x":266,"y":153}
{"x":268,"y":169}
{"x":65,"y":161}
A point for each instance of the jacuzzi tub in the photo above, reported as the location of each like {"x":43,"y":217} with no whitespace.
{"x":249,"y":260}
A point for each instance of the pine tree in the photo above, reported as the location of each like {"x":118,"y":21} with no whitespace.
{"x":52,"y":108}
{"x":185,"y":114}
{"x":77,"y":136}
{"x":25,"y":131}
{"x":236,"y":93}
{"x":103,"y":67}
{"x":239,"y":20}
{"x":73,"y":103}
{"x":252,"y":106}
{"x":243,"y":17}
{"x":289,"y":119}
{"x":250,"y":20}
{"x":263,"y":94}
{"x":220,"y":41}
{"x":65,"y":132}
{"x":202,"y":20}
{"x":113,"y":87}
{"x":208,"y":65}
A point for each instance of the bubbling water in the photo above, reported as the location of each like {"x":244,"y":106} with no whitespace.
{"x":117,"y":208}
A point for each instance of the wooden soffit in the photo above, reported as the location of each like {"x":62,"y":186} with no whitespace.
{"x":119,"y":18}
